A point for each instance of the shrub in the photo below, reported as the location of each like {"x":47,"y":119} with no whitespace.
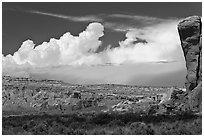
{"x":115,"y":123}
{"x":98,"y":131}
{"x":40,"y":128}
{"x":140,"y":128}
{"x":103,"y":123}
{"x":102,"y":118}
{"x":119,"y":131}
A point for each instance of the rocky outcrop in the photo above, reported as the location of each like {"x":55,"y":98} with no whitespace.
{"x":190,"y":100}
{"x":190,"y":35}
{"x":76,"y":94}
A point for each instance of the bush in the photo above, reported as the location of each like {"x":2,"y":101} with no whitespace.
{"x":119,"y":131}
{"x":181,"y":128}
{"x":97,"y":131}
{"x":41,"y":128}
{"x":115,"y":123}
{"x":102,"y":118}
{"x":140,"y":128}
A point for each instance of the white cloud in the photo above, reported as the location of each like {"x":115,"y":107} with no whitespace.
{"x":118,"y":27}
{"x":136,"y":17}
{"x":68,"y":50}
{"x":129,"y":22}
{"x":72,"y":18}
{"x":162,"y":42}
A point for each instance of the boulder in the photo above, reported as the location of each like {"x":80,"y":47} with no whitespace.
{"x":177,"y":103}
{"x":190,"y":35}
{"x":76,"y":94}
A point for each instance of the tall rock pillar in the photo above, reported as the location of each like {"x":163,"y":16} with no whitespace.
{"x":191,"y":41}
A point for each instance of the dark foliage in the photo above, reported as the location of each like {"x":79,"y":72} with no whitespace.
{"x":103,"y":123}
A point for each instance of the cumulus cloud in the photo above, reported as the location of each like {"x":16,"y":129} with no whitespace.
{"x":155,"y":43}
{"x":67,"y":50}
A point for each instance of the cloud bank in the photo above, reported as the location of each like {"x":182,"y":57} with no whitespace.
{"x":155,"y":43}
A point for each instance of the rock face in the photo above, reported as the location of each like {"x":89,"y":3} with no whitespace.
{"x":191,"y":41}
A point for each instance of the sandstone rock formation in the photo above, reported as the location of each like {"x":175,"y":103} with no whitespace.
{"x":191,"y":41}
{"x":190,"y":100}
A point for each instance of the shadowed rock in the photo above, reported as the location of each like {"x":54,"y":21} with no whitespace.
{"x":190,"y":35}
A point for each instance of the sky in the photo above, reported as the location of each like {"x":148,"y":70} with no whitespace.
{"x":96,"y":43}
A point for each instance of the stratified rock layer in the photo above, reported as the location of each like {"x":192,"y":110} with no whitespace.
{"x":190,"y":35}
